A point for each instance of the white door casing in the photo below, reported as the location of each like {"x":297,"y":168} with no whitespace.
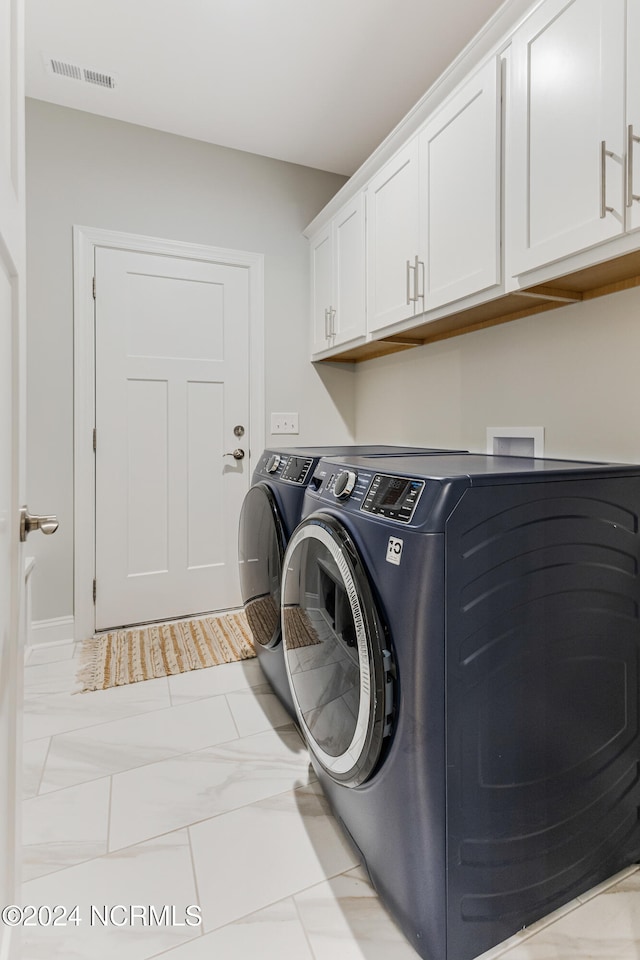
{"x":163,"y":381}
{"x":12,"y":449}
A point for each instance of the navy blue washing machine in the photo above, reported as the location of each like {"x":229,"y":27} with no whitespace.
{"x":270,"y":512}
{"x":462,"y":641}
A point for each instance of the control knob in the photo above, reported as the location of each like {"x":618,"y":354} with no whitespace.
{"x":344,"y":484}
{"x":273,"y":463}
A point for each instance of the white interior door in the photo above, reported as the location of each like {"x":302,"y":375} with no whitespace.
{"x":172,"y":362}
{"x":12,"y":267}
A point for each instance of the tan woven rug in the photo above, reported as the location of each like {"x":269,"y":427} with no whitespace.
{"x":161,"y":649}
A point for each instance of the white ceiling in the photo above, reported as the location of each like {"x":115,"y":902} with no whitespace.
{"x":316,"y":82}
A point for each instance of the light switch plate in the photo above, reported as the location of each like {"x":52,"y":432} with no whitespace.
{"x":284,"y":423}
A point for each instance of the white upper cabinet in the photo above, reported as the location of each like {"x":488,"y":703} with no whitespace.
{"x":566,"y":148}
{"x":558,"y":162}
{"x":633,"y":114}
{"x":433,"y":230}
{"x":338,"y":286}
{"x":394,"y":273}
{"x":460,"y":202}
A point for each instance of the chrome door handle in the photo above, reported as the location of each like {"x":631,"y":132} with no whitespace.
{"x":332,"y":322}
{"x":420,"y":264}
{"x":631,"y":139}
{"x":604,"y":153}
{"x":237,"y":454}
{"x":410,"y":299}
{"x":30,"y":522}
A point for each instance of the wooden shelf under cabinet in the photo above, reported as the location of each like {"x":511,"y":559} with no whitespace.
{"x":623,"y":273}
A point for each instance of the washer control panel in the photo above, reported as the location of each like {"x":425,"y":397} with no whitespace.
{"x":393,"y":497}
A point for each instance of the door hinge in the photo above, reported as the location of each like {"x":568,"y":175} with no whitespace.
{"x":95,"y":590}
{"x":94,"y":439}
{"x":93,"y":288}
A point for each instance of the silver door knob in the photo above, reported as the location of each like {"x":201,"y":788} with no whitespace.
{"x":237,"y":454}
{"x":30,"y":522}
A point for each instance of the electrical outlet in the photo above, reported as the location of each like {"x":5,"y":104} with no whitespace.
{"x":284,"y":423}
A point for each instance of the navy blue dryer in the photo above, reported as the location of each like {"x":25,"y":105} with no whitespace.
{"x":270,"y":513}
{"x":462,"y":640}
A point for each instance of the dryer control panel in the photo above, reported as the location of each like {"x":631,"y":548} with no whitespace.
{"x":393,"y":497}
{"x":290,"y":468}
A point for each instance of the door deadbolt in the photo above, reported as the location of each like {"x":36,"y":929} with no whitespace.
{"x":238,"y":431}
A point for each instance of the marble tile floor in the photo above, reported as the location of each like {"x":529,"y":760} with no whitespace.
{"x":197,"y":790}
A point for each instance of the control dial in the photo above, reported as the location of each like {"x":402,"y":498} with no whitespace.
{"x":344,"y":484}
{"x":273,"y":463}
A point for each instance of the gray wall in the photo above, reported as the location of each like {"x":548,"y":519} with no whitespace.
{"x":573,"y":371}
{"x":83,"y":169}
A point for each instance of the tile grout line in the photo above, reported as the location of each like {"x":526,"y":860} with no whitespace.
{"x":301,"y":921}
{"x":44,"y":767}
{"x":195,"y":876}
{"x":108,"y":850}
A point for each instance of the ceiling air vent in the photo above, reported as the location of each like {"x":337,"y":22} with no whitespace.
{"x":63,"y":69}
{"x":101,"y":79}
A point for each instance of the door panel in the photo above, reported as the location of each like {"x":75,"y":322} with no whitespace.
{"x":171,"y":384}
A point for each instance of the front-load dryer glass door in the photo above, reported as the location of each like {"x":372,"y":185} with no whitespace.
{"x":261,"y":543}
{"x":336,"y":654}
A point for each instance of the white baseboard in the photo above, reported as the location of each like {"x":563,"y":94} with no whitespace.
{"x":56,"y":630}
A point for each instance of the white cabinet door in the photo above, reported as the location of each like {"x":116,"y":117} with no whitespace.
{"x":349,"y":277}
{"x":338,"y":279}
{"x":321,"y":288}
{"x":460,"y":182}
{"x":568,"y":100}
{"x":393,"y":240}
{"x":633,"y":113}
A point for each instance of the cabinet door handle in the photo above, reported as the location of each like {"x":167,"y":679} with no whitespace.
{"x":332,"y":325}
{"x":326,"y":323}
{"x":631,"y":139}
{"x":604,"y":153}
{"x":419,"y":294}
{"x":413,"y":266}
{"x":409,"y":269}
